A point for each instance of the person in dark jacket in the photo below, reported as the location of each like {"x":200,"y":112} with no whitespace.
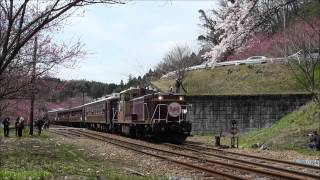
{"x":39,"y":125}
{"x":314,"y":140}
{"x":6,"y":124}
{"x":317,"y":140}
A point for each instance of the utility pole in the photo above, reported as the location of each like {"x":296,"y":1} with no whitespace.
{"x":284,"y":29}
{"x":33,"y":78}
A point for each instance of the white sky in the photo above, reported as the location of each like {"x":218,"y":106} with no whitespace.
{"x":131,"y":38}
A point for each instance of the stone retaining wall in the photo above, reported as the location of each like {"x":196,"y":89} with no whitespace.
{"x":210,"y":114}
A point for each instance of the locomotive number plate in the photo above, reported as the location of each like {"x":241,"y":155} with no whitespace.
{"x":174,"y":109}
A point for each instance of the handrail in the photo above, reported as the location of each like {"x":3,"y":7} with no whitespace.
{"x":166,"y":119}
{"x":145,"y":104}
{"x":154,"y":112}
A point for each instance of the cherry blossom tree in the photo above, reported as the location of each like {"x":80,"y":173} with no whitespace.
{"x":235,"y":27}
{"x":242,"y":19}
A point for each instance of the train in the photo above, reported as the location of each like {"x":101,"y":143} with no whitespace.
{"x":135,"y":112}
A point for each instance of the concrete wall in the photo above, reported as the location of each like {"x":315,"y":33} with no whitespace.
{"x":210,"y":114}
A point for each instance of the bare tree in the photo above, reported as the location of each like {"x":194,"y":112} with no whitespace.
{"x":303,"y":42}
{"x":20,"y":21}
{"x":177,"y":61}
{"x":25,"y":53}
{"x":16,"y":80}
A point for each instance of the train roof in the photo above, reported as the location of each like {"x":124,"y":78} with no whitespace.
{"x":109,"y":97}
{"x":137,"y":89}
{"x":130,"y":89}
{"x":65,"y":109}
{"x":168,"y":93}
{"x":55,"y":110}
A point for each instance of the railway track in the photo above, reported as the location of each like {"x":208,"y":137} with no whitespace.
{"x":275,"y":164}
{"x":256,"y":157}
{"x":225,"y":167}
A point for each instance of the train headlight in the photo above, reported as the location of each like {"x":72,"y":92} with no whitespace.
{"x":160,"y":98}
{"x":181,"y":98}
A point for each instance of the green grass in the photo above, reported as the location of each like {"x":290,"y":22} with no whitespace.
{"x":289,"y":133}
{"x":243,"y":79}
{"x":23,"y":174}
{"x":42,"y":158}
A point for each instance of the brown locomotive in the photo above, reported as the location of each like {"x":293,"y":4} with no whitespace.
{"x":136,"y":112}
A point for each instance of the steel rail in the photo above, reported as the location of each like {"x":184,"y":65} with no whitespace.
{"x":63,"y":133}
{"x":67,"y":132}
{"x":111,"y":141}
{"x":235,"y":166}
{"x":263,"y":158}
{"x":248,"y":161}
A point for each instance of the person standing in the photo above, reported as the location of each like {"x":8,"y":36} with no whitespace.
{"x":317,"y":140}
{"x":179,"y":85}
{"x":6,"y":124}
{"x":16,"y":125}
{"x":39,"y":125}
{"x":46,"y":123}
{"x":20,"y":126}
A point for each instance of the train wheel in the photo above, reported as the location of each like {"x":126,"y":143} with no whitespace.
{"x":132,"y":131}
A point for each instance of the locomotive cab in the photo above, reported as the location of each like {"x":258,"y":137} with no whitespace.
{"x":170,"y":117}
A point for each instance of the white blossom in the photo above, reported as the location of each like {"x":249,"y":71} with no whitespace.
{"x":237,"y":26}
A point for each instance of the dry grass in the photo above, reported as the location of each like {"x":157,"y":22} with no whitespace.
{"x":243,"y":79}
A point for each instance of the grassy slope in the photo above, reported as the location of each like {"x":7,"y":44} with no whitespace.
{"x":289,"y":133}
{"x":243,"y":79}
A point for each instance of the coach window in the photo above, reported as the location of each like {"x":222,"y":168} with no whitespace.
{"x":97,"y":109}
{"x":125,"y":97}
